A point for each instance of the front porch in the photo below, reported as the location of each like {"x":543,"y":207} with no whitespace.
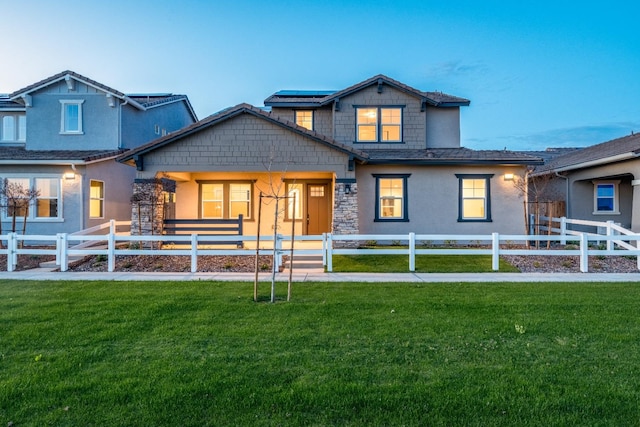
{"x":301,"y":203}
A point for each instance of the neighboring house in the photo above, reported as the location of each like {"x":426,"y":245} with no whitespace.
{"x":600,"y":182}
{"x":379,"y":157}
{"x":61,"y":136}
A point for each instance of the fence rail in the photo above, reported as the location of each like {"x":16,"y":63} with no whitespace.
{"x":618,"y":242}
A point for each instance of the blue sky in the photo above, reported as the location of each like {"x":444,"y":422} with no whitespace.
{"x":538,"y":74}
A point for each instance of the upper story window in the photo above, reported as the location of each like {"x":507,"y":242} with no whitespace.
{"x":605,"y":197}
{"x":71,"y":117}
{"x":13,"y":127}
{"x":474,"y":200}
{"x":304,"y":118}
{"x":378,"y":124}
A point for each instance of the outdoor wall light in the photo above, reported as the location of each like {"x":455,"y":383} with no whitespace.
{"x":69,"y":175}
{"x":347,"y":188}
{"x":508,"y":177}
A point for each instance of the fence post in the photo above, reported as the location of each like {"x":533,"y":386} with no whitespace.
{"x":584,"y":253}
{"x":194,"y":253}
{"x":112,"y":226}
{"x":563,"y":230}
{"x":495,"y":251}
{"x":412,"y":251}
{"x":324,"y":249}
{"x":329,"y":253}
{"x":12,"y":258}
{"x":62,"y":250}
{"x":609,"y":233}
{"x":111,"y":252}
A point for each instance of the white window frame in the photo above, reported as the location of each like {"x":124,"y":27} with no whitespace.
{"x":226,"y":202}
{"x":18,"y":131}
{"x":33,"y":207}
{"x":616,"y":197}
{"x":63,"y":116}
{"x":101,"y":199}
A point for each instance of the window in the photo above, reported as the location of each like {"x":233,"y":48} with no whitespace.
{"x":71,"y":117}
{"x":474,"y":198}
{"x":45,"y":205}
{"x":13,"y":127}
{"x":96,"y":199}
{"x":304,"y":118}
{"x":225,"y":199}
{"x":605,"y":197}
{"x":391,"y":198}
{"x":378,"y":124}
{"x":294,"y":189}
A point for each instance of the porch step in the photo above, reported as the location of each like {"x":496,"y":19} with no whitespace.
{"x":305,"y":262}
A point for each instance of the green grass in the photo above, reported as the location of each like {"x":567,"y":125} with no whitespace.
{"x":424,"y":264}
{"x":347,"y":354}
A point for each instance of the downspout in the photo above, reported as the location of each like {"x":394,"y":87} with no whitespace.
{"x":126,"y":101}
{"x":566,"y":191}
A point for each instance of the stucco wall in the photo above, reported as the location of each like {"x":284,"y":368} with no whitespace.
{"x":99,"y":121}
{"x":433,"y":201}
{"x":118,"y":189}
{"x":138,"y":127}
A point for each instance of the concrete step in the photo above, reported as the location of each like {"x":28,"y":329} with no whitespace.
{"x":305,"y":262}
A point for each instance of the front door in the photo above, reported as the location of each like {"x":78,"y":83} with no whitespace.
{"x":318,"y":208}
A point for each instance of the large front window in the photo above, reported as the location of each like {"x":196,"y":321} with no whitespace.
{"x":378,"y":124}
{"x":71,"y":116}
{"x":474,"y":202}
{"x":37,"y":198}
{"x":225,"y":199}
{"x":391,"y":197}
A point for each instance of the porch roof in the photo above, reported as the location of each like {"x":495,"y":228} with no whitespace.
{"x":234,"y":112}
{"x":615,"y":150}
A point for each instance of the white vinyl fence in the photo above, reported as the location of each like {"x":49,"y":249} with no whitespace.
{"x":618,"y":242}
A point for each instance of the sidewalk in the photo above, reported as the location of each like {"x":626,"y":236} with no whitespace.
{"x":41,"y":274}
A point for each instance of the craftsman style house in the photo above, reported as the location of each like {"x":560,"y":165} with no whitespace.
{"x":60,"y":136}
{"x":378,"y":157}
{"x":598,"y":183}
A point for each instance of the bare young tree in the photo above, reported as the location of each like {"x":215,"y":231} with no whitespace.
{"x":15,"y":200}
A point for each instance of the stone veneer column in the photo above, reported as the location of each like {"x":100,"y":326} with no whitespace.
{"x":345,"y":211}
{"x":147,"y":207}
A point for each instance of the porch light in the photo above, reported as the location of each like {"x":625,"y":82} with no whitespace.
{"x":69,"y":175}
{"x":508,"y":177}
{"x":347,"y":188}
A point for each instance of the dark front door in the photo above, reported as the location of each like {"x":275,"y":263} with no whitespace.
{"x":318,"y":211}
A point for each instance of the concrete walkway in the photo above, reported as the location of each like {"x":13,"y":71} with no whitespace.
{"x":41,"y":274}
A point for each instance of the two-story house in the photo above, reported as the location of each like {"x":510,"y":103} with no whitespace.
{"x":378,"y":157}
{"x":60,"y":137}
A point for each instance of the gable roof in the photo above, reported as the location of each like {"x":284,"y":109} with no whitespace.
{"x":619,"y":149}
{"x":141,"y":102}
{"x":230,"y":113}
{"x":319,"y":98}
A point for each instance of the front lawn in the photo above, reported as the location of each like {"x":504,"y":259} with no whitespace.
{"x":346,"y":354}
{"x":424,"y":264}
